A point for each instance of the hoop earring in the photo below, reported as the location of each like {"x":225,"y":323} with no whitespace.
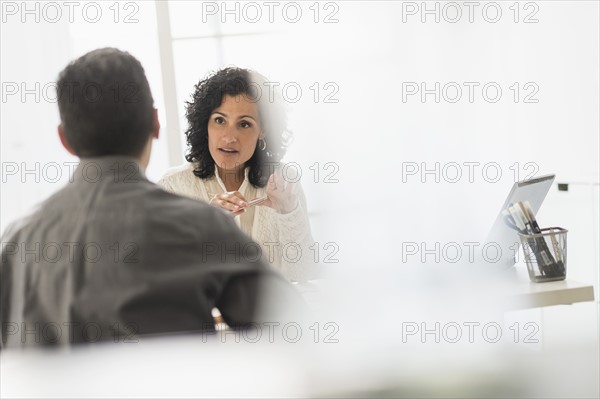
{"x":262,"y":144}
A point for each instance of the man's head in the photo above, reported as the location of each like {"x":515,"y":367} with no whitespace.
{"x":105,"y":105}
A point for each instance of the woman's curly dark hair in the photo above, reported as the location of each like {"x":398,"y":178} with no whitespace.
{"x":209,"y":94}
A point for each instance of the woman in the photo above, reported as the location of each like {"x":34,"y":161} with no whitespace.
{"x":236,"y":138}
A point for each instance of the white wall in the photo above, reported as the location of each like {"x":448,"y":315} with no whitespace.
{"x":369,"y":128}
{"x":36,"y":46}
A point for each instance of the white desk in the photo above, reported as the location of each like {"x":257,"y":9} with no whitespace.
{"x":512,"y":287}
{"x":523,"y":293}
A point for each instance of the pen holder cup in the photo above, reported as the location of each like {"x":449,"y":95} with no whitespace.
{"x":546,"y":254}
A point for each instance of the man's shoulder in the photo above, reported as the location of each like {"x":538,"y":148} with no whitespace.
{"x":14,"y":229}
{"x":188,"y":210}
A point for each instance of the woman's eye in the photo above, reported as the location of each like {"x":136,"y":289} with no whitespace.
{"x":219,"y":120}
{"x":245,"y":124}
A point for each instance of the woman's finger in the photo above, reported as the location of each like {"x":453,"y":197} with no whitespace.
{"x":222,"y":201}
{"x":281,"y":183}
{"x":237,"y":198}
{"x":292,"y":188}
{"x":238,"y":212}
{"x":272,"y":184}
{"x":233,"y":199}
{"x":230,"y":206}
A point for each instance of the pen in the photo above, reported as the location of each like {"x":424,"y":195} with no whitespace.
{"x":254,"y":202}
{"x":523,"y":221}
{"x":550,"y":266}
{"x":517,"y":218}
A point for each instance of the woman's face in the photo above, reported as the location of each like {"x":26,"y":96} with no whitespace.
{"x":233,"y":131}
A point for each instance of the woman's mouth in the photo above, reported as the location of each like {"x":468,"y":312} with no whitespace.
{"x":228,"y":151}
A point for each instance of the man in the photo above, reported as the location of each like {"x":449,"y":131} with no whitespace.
{"x":112,"y":256}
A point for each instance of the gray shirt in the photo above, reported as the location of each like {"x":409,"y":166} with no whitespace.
{"x":112,"y":256}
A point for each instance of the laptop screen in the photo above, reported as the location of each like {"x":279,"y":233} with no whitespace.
{"x":502,"y":236}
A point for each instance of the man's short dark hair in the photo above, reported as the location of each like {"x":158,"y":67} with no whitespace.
{"x":105,"y":104}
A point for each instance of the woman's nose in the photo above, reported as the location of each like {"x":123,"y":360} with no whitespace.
{"x":229,"y":136}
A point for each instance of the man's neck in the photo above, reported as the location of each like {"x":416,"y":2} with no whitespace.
{"x":115,"y":167}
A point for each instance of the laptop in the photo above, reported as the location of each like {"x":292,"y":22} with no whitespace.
{"x":502,"y":236}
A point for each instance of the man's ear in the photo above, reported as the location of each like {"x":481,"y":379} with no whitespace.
{"x":63,"y":140}
{"x":155,"y":124}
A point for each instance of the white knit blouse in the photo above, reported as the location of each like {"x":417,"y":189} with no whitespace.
{"x":285,"y":239}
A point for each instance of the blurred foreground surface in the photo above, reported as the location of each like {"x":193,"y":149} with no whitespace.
{"x":392,"y":333}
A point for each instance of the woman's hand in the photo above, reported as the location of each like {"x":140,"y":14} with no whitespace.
{"x":282,"y":194}
{"x":232,"y":201}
